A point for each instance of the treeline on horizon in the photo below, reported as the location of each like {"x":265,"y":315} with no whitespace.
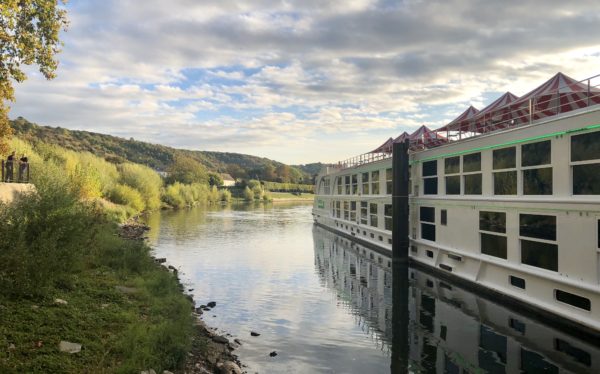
{"x":159,"y":157}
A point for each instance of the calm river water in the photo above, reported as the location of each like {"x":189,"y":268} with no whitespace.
{"x":324,"y":304}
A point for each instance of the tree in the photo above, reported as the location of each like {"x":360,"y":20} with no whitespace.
{"x":28,"y":35}
{"x":187,"y":170}
{"x":214,"y":179}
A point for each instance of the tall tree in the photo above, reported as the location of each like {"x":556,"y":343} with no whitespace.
{"x":29,"y":34}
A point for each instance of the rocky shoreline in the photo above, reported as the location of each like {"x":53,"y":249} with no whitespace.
{"x":211,"y":352}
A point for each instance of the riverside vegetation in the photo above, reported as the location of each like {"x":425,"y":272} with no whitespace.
{"x":65,"y":274}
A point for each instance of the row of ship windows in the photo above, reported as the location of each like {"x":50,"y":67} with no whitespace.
{"x":368,"y":214}
{"x":537,"y":236}
{"x":368,"y":184}
{"x":535,"y":169}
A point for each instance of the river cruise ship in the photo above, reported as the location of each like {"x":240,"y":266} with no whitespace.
{"x":506,"y":199}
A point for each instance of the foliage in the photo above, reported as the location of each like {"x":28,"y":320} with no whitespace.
{"x":225,"y":196}
{"x":118,"y":150}
{"x":129,"y":196}
{"x":214,"y":179}
{"x":143,"y":179}
{"x":187,"y":170}
{"x":288,"y":187}
{"x":248,"y":194}
{"x":29,"y":32}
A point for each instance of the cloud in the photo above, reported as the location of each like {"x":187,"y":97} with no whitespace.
{"x":268,"y":77}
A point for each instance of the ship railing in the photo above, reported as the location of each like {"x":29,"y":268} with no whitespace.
{"x":563,"y":99}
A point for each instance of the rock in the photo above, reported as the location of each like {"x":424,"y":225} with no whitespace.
{"x":190,"y":289}
{"x":206,"y":309}
{"x":273,"y":354}
{"x":212,"y":304}
{"x":252,"y":333}
{"x":220,"y":339}
{"x":172,"y":267}
{"x":229,"y":367}
{"x":237,"y":341}
{"x":60,"y":302}
{"x":199,"y":310}
{"x":190,"y":298}
{"x":69,"y":347}
{"x":126,"y":290}
{"x":11,"y":347}
{"x":161,"y":260}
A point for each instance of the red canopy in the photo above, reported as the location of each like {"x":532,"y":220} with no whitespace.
{"x":497,"y":112}
{"x":423,"y":136}
{"x":385,"y":147}
{"x":402,"y":137}
{"x":559,"y":94}
{"x":462,"y":120}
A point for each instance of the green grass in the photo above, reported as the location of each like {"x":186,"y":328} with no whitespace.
{"x":53,"y":246}
{"x":289,"y":196}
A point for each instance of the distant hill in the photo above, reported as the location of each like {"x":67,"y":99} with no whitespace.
{"x":117,"y":150}
{"x":311,"y":169}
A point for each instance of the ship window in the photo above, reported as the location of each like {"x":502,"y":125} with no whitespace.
{"x":586,"y":179}
{"x":493,"y":245}
{"x":365,"y":183}
{"x":326,"y":187}
{"x":354,"y":184}
{"x":427,"y":214}
{"x":572,"y":299}
{"x":453,"y":185}
{"x":430,"y":168}
{"x":338,"y":181}
{"x":452,"y":165}
{"x":427,"y":217}
{"x":444,"y":217}
{"x":539,"y":254}
{"x":598,"y":233}
{"x":532,"y":362}
{"x":517,"y":325}
{"x":375,"y":182}
{"x":429,"y":254}
{"x":537,"y":181}
{"x":578,"y":354}
{"x":347,"y":184}
{"x":492,"y":221}
{"x":505,"y":183}
{"x":413,"y":249}
{"x":536,"y":153}
{"x":373,"y":213}
{"x":353,"y":211}
{"x":346,"y":210}
{"x":473,"y":184}
{"x":537,"y":226}
{"x":505,"y":158}
{"x":364,"y":212}
{"x":517,"y":282}
{"x":388,"y":181}
{"x":472,"y":162}
{"x":338,"y":209}
{"x":585,"y":147}
{"x":428,"y":231}
{"x":387,"y":214}
{"x":430,"y":186}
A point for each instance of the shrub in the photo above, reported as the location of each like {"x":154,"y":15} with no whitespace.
{"x":225,"y":196}
{"x":248,"y":194}
{"x":143,"y":179}
{"x":126,"y":195}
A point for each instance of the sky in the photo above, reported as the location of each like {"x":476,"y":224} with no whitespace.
{"x":300,"y":81}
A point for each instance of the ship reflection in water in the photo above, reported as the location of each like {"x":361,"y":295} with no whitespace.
{"x":446,"y":328}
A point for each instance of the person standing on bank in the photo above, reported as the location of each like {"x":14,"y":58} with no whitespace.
{"x":9,"y":167}
{"x":23,"y":165}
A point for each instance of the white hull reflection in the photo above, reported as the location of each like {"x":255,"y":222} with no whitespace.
{"x":450,"y":329}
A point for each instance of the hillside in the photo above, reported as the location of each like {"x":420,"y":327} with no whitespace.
{"x":117,"y":150}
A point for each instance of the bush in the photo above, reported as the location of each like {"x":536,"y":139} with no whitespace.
{"x":248,"y":194}
{"x":125,"y":195}
{"x":225,"y":196}
{"x":43,"y":239}
{"x":145,"y":180}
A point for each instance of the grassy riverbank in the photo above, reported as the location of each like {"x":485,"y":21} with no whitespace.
{"x":65,"y":275}
{"x":287,"y":196}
